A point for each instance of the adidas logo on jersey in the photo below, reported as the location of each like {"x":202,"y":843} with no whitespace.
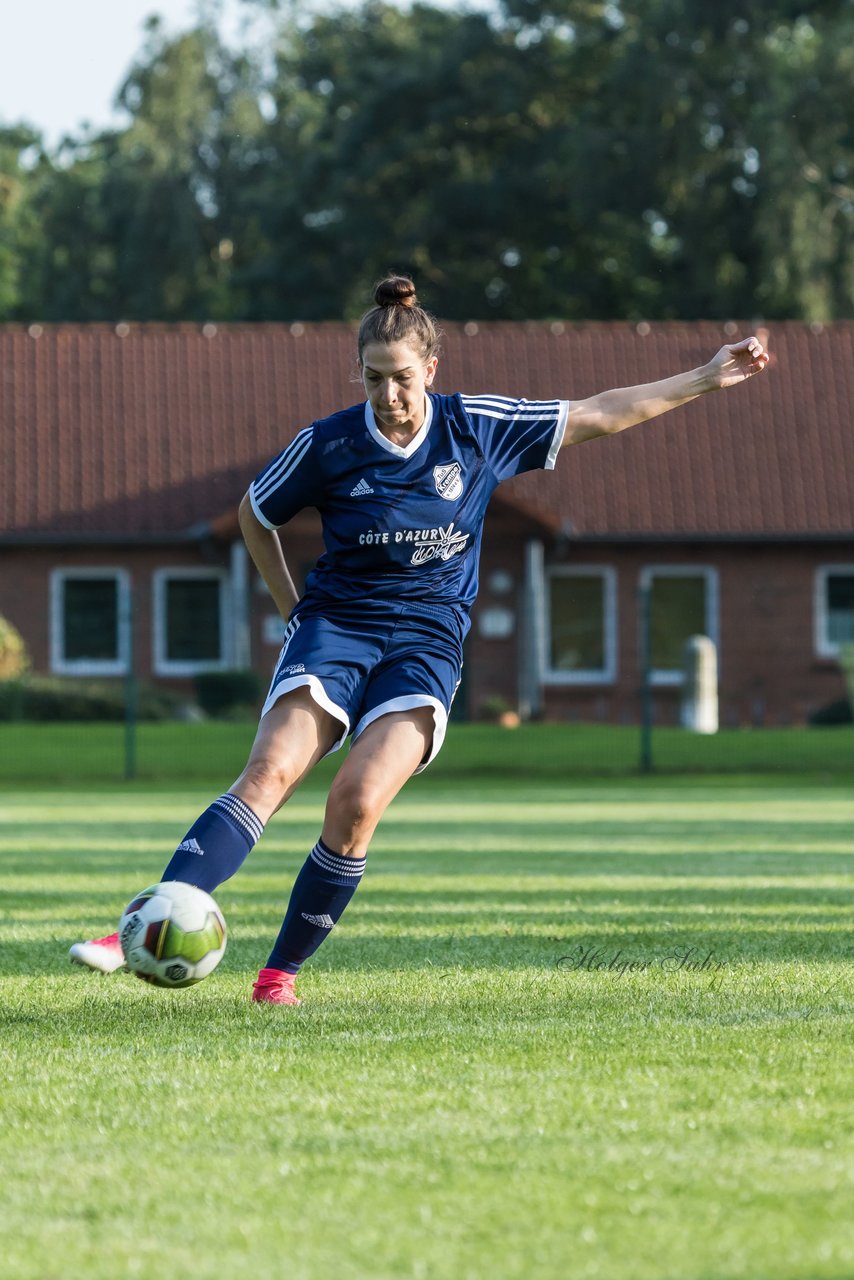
{"x":190,"y":846}
{"x":361,"y":490}
{"x":322,"y":922}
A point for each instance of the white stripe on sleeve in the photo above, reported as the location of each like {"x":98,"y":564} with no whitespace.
{"x":506,"y":410}
{"x":284,"y":466}
{"x":557,"y":438}
{"x":259,"y":514}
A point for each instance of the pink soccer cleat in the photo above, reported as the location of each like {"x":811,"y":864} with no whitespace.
{"x":103,"y":954}
{"x":273,"y":986}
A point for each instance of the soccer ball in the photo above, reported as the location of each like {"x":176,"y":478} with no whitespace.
{"x":172,"y":934}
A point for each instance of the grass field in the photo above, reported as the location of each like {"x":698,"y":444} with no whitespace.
{"x":62,"y":753}
{"x":475,"y":1085}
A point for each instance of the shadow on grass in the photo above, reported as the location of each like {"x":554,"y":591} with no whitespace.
{"x":529,"y":862}
{"x":503,"y":946}
{"x":67,"y":911}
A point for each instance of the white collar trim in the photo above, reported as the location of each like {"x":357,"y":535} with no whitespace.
{"x":399,"y":451}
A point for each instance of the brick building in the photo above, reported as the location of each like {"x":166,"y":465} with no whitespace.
{"x":128,"y":448}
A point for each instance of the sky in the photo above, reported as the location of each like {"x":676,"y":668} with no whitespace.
{"x":61,"y":63}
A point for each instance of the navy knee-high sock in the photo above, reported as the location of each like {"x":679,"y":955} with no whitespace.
{"x":216,"y":845}
{"x":321,"y":891}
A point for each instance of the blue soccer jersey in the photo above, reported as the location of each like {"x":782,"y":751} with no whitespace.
{"x":404,"y":523}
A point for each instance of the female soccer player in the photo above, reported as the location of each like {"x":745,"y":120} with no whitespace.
{"x":374,"y":646}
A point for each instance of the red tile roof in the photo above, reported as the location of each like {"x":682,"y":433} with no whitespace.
{"x":148,"y":430}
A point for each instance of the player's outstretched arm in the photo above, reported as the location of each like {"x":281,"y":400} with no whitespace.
{"x":611,"y":411}
{"x":266,"y":551}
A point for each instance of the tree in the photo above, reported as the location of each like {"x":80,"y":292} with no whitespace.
{"x":130,"y":217}
{"x":566,"y":159}
{"x":21,"y":156}
{"x":805,"y":182}
{"x":14,"y":659}
{"x":724,"y":155}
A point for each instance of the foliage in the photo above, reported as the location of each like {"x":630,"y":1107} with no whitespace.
{"x":14,"y":659}
{"x":54,"y":699}
{"x":19,"y":230}
{"x":129,"y":218}
{"x":220,"y":692}
{"x":834,"y":713}
{"x":493,"y":708}
{"x":545,"y":159}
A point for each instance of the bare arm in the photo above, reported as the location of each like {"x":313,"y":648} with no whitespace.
{"x":266,"y":551}
{"x":611,"y":411}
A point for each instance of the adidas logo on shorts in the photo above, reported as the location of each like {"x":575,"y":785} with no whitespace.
{"x":361,"y":490}
{"x":322,"y":922}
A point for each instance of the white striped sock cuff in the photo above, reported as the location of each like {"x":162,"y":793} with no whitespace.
{"x":241,"y":815}
{"x":335,"y":864}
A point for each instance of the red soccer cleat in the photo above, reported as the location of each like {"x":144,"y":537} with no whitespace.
{"x":274,"y":986}
{"x":103,"y":954}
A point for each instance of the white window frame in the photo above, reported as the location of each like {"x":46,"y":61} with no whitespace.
{"x":824,"y":647}
{"x":162,"y":664}
{"x":663,"y":676}
{"x":608,"y":674}
{"x":62,"y":666}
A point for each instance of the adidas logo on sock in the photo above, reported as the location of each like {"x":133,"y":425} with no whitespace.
{"x":322,"y":922}
{"x":361,"y":490}
{"x":190,"y":846}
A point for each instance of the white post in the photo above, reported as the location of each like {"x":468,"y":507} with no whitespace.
{"x":700,"y":690}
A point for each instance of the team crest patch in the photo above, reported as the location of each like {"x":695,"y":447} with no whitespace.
{"x":449,"y":480}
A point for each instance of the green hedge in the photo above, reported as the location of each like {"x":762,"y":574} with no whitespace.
{"x":222,"y":693}
{"x":48,"y":698}
{"x":838,"y":712}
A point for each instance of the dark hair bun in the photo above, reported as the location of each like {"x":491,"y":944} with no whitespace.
{"x":395,"y":290}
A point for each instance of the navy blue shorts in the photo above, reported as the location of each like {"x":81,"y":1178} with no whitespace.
{"x":360,"y":663}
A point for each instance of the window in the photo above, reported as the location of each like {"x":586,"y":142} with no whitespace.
{"x":189,"y":621}
{"x":683,"y":602}
{"x":89,"y":615}
{"x":581,"y":625}
{"x":834,"y":609}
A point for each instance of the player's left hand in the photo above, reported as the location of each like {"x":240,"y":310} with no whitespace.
{"x":738,"y":361}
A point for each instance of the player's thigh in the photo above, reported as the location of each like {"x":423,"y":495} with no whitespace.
{"x":419,"y":672}
{"x":380,"y":761}
{"x":292,"y":736}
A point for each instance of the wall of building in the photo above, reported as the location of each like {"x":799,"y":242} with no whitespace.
{"x":25,"y":592}
{"x":769,"y":671}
